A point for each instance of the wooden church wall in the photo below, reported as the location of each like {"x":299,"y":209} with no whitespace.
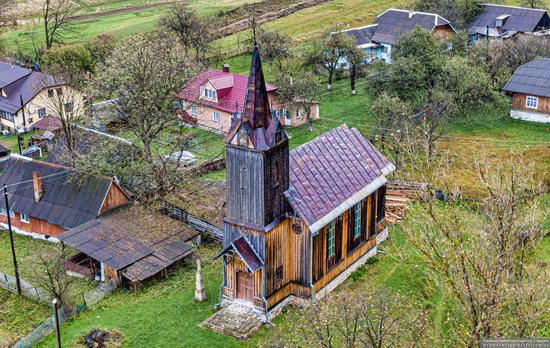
{"x":245,"y":190}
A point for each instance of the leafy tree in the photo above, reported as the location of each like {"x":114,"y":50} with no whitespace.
{"x":330,"y":53}
{"x":275,"y":46}
{"x":296,"y":88}
{"x":144,"y":73}
{"x":56,"y":16}
{"x":101,"y":47}
{"x":76,"y":58}
{"x":459,"y":12}
{"x":430,"y":80}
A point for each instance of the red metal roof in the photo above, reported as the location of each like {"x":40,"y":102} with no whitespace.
{"x":231,"y":100}
{"x":332,"y":172}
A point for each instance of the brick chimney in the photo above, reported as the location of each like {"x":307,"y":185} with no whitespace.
{"x":37,"y":186}
{"x":226,"y":68}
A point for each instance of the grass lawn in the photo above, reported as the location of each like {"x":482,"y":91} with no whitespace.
{"x":10,"y":141}
{"x":118,"y":25}
{"x":19,"y":316}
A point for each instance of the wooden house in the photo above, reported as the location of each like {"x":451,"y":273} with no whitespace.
{"x":378,"y":39}
{"x":500,"y":22}
{"x":46,"y":199}
{"x":128,"y":245}
{"x":530,"y":90}
{"x":298,"y":222}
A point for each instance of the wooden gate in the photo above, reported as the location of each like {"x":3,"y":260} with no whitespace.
{"x":245,"y":286}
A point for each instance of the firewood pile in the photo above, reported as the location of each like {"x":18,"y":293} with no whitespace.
{"x":398,"y":196}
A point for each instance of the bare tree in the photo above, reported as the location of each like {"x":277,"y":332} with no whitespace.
{"x":50,"y":275}
{"x":275,"y":47}
{"x":65,"y":101}
{"x":486,"y":260}
{"x":56,"y":15}
{"x":297,"y":87}
{"x":330,"y":53}
{"x":355,"y":319}
{"x":194,"y":33}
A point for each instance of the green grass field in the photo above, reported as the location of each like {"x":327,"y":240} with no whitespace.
{"x":118,"y":25}
{"x":19,"y":316}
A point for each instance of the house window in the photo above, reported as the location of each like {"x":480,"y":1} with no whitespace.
{"x":3,"y":212}
{"x":68,"y":107}
{"x":42,"y":113}
{"x":357,"y":225}
{"x":24,"y":217}
{"x":59,"y":91}
{"x":281,"y":113}
{"x":216,"y":116}
{"x":532,"y":102}
{"x":30,"y":120}
{"x":50,"y":93}
{"x":180,"y":104}
{"x":6,"y":115}
{"x":299,"y":114}
{"x":194,"y":110}
{"x":209,"y":93}
{"x":331,"y":240}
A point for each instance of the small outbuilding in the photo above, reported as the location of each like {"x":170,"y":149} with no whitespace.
{"x":128,"y":245}
{"x":530,"y":90}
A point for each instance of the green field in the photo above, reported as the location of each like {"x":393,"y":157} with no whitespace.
{"x":118,"y":25}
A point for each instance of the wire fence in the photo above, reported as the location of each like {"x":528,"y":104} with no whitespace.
{"x":48,"y":326}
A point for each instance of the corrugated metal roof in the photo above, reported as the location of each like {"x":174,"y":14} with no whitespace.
{"x":520,"y":19}
{"x":68,"y":199}
{"x":532,"y":78}
{"x":333,"y":170}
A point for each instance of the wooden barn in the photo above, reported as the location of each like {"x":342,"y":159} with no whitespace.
{"x":128,"y":245}
{"x":298,"y":222}
{"x":47,"y":199}
{"x":530,"y":90}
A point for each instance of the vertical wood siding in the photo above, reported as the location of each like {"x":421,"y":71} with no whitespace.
{"x":115,"y":197}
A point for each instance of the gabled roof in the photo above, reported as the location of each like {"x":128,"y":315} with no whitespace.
{"x":256,"y":124}
{"x":520,"y":19}
{"x":394,"y":23}
{"x":68,"y":199}
{"x":17,"y":83}
{"x":362,"y":35}
{"x":246,"y":252}
{"x":134,"y":239}
{"x":532,"y":78}
{"x":48,"y":123}
{"x":233,"y":87}
{"x":333,"y":172}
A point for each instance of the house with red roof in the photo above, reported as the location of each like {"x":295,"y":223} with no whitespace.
{"x":214,"y":97}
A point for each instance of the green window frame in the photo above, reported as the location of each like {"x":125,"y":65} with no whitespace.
{"x":331,"y":239}
{"x":357,"y":226}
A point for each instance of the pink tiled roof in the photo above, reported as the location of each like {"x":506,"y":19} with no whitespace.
{"x":231,"y":89}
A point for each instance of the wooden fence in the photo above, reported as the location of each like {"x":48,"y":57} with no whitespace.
{"x":197,"y":223}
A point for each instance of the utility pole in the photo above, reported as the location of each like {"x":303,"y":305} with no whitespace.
{"x":18,"y":140}
{"x":14,"y":257}
{"x":56,"y":316}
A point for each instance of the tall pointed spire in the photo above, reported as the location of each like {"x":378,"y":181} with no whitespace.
{"x":262,"y":129}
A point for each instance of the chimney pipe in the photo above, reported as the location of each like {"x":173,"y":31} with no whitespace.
{"x":37,"y":186}
{"x":226,"y":68}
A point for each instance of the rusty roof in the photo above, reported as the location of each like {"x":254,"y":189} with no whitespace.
{"x":136,"y":239}
{"x":333,"y":172}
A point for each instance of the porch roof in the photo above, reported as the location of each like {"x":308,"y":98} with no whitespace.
{"x":246,"y":252}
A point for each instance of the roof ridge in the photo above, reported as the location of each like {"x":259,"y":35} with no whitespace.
{"x":518,"y":7}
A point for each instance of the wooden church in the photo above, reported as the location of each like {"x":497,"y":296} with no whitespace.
{"x":298,"y":222}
